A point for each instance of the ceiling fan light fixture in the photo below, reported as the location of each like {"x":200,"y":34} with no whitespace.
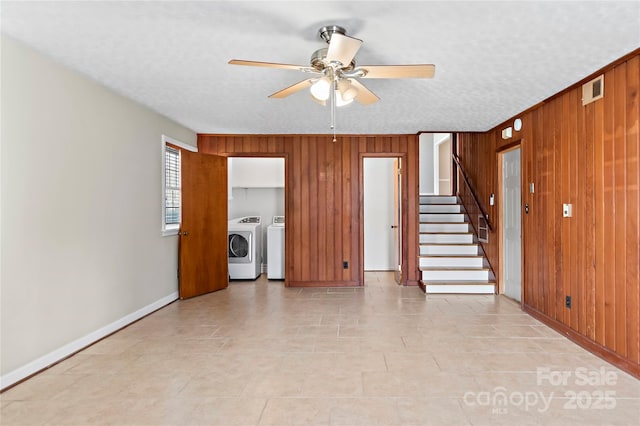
{"x":347,"y":92}
{"x":320,"y":90}
{"x":340,"y":100}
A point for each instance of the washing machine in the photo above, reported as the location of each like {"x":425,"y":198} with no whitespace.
{"x":275,"y":249}
{"x":244,"y":250}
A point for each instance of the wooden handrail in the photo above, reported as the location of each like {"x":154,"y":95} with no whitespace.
{"x":473,"y":192}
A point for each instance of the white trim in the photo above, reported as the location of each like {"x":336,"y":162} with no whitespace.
{"x":81,"y":343}
{"x":167,"y":139}
{"x":460,"y":289}
{"x":170,"y":230}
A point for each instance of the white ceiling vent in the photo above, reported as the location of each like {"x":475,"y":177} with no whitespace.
{"x":593,"y":90}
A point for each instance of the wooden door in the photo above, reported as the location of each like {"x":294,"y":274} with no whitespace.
{"x":203,"y":258}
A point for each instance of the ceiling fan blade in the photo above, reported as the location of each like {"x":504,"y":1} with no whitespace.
{"x":268,"y":65}
{"x":343,"y":48}
{"x":399,"y":71}
{"x":365,"y":96}
{"x":292,"y":89}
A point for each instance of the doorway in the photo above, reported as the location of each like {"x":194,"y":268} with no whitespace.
{"x":382,"y":215}
{"x":511,"y":224}
{"x":256,"y":189}
{"x":435,"y":163}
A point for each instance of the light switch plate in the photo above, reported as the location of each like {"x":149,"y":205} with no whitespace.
{"x":567,"y":210}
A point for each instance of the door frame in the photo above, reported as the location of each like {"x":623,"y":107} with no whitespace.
{"x":500,"y":231}
{"x":403,"y":206}
{"x":288,"y":262}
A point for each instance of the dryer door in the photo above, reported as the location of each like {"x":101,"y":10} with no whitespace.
{"x":240,"y":246}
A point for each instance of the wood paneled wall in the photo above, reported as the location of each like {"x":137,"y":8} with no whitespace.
{"x":323,"y":199}
{"x":586,"y":156}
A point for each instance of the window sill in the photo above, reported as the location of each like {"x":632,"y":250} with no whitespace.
{"x":168,"y":232}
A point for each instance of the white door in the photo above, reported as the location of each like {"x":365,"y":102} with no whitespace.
{"x":511,"y":231}
{"x":379,"y":215}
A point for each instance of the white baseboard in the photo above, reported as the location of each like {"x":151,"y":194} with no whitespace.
{"x":81,"y":343}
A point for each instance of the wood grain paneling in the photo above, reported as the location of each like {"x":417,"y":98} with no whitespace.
{"x":323,"y":202}
{"x":586,"y":156}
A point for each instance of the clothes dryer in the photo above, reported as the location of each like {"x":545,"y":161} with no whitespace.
{"x":244,"y":249}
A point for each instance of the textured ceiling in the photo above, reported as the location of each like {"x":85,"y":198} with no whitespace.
{"x":493,"y":59}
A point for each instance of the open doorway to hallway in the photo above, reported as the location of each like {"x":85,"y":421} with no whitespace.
{"x":435,"y":164}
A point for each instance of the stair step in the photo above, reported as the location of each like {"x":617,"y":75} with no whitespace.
{"x":450,"y":261}
{"x":440,"y":208}
{"x":461,"y":262}
{"x":448,"y":249}
{"x":454,"y":274}
{"x":444,"y":227}
{"x":441,"y":217}
{"x":456,"y":238}
{"x":458,"y":287}
{"x":438,"y":199}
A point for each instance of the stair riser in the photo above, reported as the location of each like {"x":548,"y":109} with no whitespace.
{"x":446,"y":238}
{"x":442,"y":217}
{"x":435,"y":208}
{"x":459,"y":275}
{"x":444,"y":227}
{"x":452,"y":262}
{"x":448,"y":250}
{"x":438,"y":200}
{"x":460,"y":289}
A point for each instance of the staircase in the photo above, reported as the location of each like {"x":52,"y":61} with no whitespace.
{"x":450,"y":258}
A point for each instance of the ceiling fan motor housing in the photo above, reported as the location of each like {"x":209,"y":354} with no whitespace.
{"x":327,"y":31}
{"x":319,"y":61}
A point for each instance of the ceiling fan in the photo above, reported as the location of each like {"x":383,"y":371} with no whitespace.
{"x":335,"y":73}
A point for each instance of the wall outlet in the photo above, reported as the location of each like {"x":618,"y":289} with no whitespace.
{"x":345,"y":265}
{"x":567,"y":301}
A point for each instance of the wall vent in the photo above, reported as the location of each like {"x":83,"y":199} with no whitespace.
{"x":483,"y":229}
{"x":593,"y":90}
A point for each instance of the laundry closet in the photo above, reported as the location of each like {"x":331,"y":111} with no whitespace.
{"x":256,"y":217}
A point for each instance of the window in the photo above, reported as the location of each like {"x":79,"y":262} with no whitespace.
{"x":171,"y":187}
{"x":171,"y":184}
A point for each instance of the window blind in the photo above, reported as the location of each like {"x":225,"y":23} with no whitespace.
{"x":172,"y":186}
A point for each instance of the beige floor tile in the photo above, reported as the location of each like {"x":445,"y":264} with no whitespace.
{"x":364,"y":411}
{"x":40,"y":387}
{"x":275,"y":384}
{"x":391,"y":384}
{"x":332,"y":384}
{"x":228,"y":411}
{"x":259,"y":353}
{"x":416,"y":362}
{"x":297,"y":412}
{"x":431,"y":411}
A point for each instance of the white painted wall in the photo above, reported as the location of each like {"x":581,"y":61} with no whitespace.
{"x":81,"y":247}
{"x":443,"y":148}
{"x":425,"y":146}
{"x":379,"y":250}
{"x":257,"y":172}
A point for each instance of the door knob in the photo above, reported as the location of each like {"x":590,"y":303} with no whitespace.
{"x":394,"y":226}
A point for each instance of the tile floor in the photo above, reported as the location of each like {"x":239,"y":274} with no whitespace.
{"x":260,"y":354}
